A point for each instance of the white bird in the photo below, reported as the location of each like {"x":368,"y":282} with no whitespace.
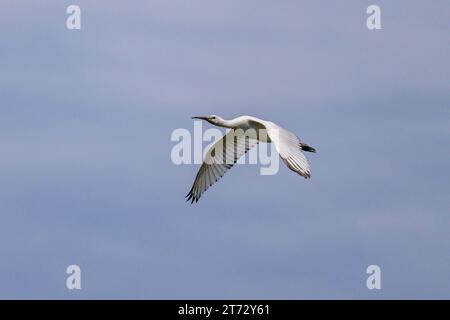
{"x":225,"y":152}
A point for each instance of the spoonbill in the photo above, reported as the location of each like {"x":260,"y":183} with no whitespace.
{"x":236,"y":143}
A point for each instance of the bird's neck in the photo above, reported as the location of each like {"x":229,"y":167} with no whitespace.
{"x":224,"y":124}
{"x":233,"y":123}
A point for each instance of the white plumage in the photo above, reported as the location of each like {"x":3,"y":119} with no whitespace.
{"x":246,"y":132}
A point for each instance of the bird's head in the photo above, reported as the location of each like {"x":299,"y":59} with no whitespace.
{"x":213,"y":119}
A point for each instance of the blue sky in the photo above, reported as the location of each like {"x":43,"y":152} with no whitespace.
{"x":86,"y":175}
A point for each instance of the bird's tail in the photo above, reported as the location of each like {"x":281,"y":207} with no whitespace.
{"x":307,"y":148}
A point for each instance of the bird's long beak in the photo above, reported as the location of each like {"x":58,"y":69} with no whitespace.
{"x":201,"y":118}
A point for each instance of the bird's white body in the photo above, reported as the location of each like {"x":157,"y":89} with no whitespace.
{"x":237,"y":142}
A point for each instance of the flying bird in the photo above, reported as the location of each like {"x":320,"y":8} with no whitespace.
{"x":225,"y":152}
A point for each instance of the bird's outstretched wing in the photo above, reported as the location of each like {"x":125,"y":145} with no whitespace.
{"x":220,"y":157}
{"x":289,"y":148}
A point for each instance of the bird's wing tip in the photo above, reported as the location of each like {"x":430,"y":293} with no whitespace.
{"x":306,"y":175}
{"x":192,"y":198}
